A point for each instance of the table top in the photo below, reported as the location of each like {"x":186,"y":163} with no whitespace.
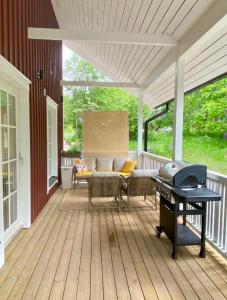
{"x":202,"y":194}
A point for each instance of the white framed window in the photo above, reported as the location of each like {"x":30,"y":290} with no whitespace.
{"x":52,"y":143}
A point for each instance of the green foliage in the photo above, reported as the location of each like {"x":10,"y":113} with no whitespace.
{"x":211,"y":119}
{"x":205,"y":111}
{"x":211,"y":151}
{"x":205,"y":116}
{"x":78,"y":100}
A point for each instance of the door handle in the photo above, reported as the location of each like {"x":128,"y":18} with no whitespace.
{"x":21,"y":158}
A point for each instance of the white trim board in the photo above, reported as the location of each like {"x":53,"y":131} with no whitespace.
{"x":107,"y":37}
{"x":10,"y":73}
{"x":99,"y":84}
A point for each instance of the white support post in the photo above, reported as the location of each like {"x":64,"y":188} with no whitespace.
{"x":178,"y":110}
{"x":140,"y":123}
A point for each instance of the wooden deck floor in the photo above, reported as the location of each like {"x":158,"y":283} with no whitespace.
{"x":108,"y":255}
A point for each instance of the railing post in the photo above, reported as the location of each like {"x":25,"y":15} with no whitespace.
{"x":140,"y":124}
{"x":178,"y":110}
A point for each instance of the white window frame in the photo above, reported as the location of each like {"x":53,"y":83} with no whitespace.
{"x":51,"y":104}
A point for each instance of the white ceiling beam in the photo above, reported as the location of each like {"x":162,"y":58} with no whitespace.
{"x":215,"y":13}
{"x":108,"y":37}
{"x":99,"y":84}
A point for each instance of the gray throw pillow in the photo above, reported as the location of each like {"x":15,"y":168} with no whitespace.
{"x":104,"y":165}
{"x":91,"y":164}
{"x":118,"y":164}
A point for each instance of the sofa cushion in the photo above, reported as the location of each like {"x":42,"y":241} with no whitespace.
{"x":118,"y":164}
{"x":83,"y":174}
{"x":144,"y":173}
{"x":91,"y":163}
{"x":105,"y":174}
{"x":129,"y":166}
{"x":104,"y":165}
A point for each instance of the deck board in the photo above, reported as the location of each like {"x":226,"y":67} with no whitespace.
{"x":105,"y":254}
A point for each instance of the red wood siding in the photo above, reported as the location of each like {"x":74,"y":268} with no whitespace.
{"x":29,"y":56}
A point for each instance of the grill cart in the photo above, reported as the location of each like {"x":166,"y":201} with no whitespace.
{"x":183,"y":191}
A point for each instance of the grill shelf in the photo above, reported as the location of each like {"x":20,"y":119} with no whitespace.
{"x":187,"y":237}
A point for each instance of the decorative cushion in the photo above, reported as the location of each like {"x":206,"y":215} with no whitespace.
{"x":118,"y":164}
{"x":104,"y":165}
{"x":80,"y":165}
{"x":105,"y":174}
{"x":144,"y":173}
{"x":83,"y":173}
{"x":129,"y":166}
{"x":91,"y":163}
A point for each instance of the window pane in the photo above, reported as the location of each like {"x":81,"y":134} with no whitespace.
{"x":50,"y":167}
{"x":13,"y":176}
{"x":12,"y":143}
{"x":5,"y":181}
{"x":3,"y":108}
{"x":50,"y":134}
{"x":52,"y":142}
{"x":6,"y":213}
{"x":13,"y":208}
{"x":4,"y":144}
{"x":49,"y":148}
{"x":12,"y":110}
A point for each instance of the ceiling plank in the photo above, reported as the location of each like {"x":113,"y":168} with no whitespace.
{"x":215,"y":13}
{"x":110,"y":37}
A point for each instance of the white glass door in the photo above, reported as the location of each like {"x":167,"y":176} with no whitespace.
{"x":8,"y":161}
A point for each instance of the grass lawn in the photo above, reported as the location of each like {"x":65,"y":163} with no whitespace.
{"x":211,"y":151}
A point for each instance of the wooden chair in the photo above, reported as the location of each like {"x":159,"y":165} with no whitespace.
{"x":104,"y":185}
{"x":140,"y":183}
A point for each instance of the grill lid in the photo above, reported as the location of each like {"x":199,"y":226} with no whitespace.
{"x":183,"y":174}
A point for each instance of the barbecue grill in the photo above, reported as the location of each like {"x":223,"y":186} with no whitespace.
{"x":183,"y":191}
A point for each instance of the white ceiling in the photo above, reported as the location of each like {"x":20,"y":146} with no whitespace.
{"x":205,"y":61}
{"x":136,"y":63}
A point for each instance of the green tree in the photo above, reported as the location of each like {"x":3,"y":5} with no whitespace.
{"x":82,"y":99}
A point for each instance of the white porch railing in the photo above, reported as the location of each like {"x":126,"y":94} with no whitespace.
{"x":216,"y":225}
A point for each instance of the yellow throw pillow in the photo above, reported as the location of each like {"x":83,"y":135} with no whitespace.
{"x":129,"y":166}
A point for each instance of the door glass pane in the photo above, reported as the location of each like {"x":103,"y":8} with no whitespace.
{"x":4,"y":119}
{"x":12,"y":110}
{"x":12,"y":143}
{"x":13,"y":208}
{"x":6,"y":213}
{"x":13,"y":176}
{"x":4,"y":144}
{"x":5,"y":181}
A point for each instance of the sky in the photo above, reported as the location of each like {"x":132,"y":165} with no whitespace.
{"x":66,"y":53}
